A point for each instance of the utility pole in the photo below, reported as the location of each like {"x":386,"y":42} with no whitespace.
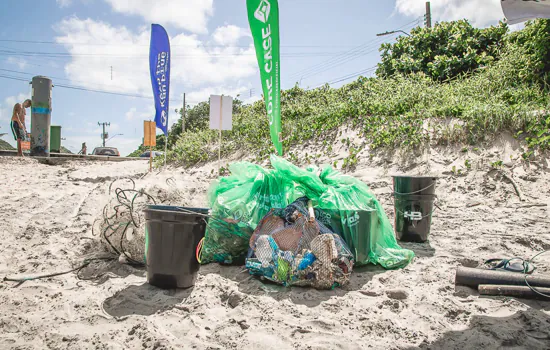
{"x":103,"y":135}
{"x":183,"y":115}
{"x":111,"y":72}
{"x":41,"y":116}
{"x":428,"y":15}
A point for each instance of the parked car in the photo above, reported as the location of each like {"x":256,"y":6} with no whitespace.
{"x":155,"y":154}
{"x":106,"y":151}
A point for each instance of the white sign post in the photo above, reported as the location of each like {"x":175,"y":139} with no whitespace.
{"x":221,"y":117}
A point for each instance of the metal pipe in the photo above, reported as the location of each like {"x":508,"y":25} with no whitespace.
{"x":512,"y":291}
{"x":467,"y":276}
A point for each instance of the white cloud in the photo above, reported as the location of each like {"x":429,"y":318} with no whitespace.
{"x":516,"y":27}
{"x":21,"y":63}
{"x":204,"y":94}
{"x":191,"y":15}
{"x":229,"y":34}
{"x":64,"y":3}
{"x":478,"y":12}
{"x":194,"y":64}
{"x":91,"y":64}
{"x":133,"y":114}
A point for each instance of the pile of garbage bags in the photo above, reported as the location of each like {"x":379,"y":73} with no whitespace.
{"x":349,"y":224}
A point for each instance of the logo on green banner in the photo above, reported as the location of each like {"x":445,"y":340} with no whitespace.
{"x":262,"y":13}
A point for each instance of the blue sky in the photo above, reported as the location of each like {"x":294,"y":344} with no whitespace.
{"x":76,"y":42}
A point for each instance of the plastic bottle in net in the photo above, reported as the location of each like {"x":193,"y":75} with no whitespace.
{"x":290,"y":248}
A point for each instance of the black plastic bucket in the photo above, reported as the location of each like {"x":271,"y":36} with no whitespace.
{"x":414,"y":185}
{"x":413,"y":217}
{"x":171,"y":238}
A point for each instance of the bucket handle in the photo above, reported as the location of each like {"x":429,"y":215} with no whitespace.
{"x":198,"y":251}
{"x":404,"y":194}
{"x":187,"y":211}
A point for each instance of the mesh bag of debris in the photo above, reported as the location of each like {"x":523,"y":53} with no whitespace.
{"x":238,"y":203}
{"x":226,"y":241}
{"x":291,"y":247}
{"x":347,"y":207}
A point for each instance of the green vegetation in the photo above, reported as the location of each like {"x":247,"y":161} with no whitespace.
{"x":65,"y":150}
{"x":444,"y":51}
{"x":497,"y":164}
{"x":5,"y":146}
{"x":159,"y":147}
{"x":450,"y":84}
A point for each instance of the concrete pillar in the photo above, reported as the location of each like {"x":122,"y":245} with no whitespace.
{"x":41,"y":113}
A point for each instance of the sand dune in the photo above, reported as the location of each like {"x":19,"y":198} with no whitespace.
{"x":46,"y":226}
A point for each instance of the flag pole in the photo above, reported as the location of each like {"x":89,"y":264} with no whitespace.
{"x":150,"y":158}
{"x":220,"y":134}
{"x":165,"y":146}
{"x":151,"y":147}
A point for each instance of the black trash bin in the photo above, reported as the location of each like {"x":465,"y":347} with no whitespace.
{"x":414,"y":198}
{"x":172,"y":236}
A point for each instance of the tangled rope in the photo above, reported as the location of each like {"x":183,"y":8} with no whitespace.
{"x":119,"y":218}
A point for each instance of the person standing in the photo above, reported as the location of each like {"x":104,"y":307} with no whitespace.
{"x":18,"y":124}
{"x":84,"y":149}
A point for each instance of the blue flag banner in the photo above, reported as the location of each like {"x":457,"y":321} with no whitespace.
{"x":159,"y":65}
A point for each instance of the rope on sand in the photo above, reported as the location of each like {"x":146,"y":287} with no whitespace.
{"x":77,"y":270}
{"x":125,"y":205}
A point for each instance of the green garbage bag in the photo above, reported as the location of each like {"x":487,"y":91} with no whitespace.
{"x":238,"y":204}
{"x":344,"y":203}
{"x":347,"y":206}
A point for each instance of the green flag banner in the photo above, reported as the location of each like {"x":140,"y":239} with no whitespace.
{"x":263,"y":17}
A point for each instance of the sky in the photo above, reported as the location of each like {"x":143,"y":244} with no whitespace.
{"x":96,"y":53}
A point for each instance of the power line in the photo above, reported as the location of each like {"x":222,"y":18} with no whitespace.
{"x":354,"y":55}
{"x":81,"y":88}
{"x":343,"y":60}
{"x":189,"y":83}
{"x":344,"y":57}
{"x":174,"y":55}
{"x":353,"y":75}
{"x":57,"y":78}
{"x":331,"y":60}
{"x":144,"y":45}
{"x":13,"y":78}
{"x":346,"y":77}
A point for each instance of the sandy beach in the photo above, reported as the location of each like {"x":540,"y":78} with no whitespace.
{"x":47,"y":213}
